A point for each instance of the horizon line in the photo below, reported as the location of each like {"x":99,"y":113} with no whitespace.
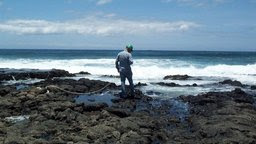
{"x":122,"y":49}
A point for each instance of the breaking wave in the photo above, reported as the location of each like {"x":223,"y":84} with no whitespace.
{"x":143,"y":69}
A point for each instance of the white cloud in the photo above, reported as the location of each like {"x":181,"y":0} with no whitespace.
{"x":196,"y":2}
{"x":191,"y":1}
{"x":94,"y":26}
{"x":102,"y":2}
{"x":97,"y":2}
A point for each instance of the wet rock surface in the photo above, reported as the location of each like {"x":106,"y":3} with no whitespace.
{"x":111,"y":76}
{"x":175,"y":85}
{"x":180,"y":77}
{"x":153,"y":93}
{"x":139,"y":84}
{"x":223,"y":117}
{"x":84,"y":73}
{"x":53,"y":116}
{"x":232,"y":83}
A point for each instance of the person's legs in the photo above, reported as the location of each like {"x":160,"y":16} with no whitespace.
{"x":123,"y":93}
{"x":129,"y":77}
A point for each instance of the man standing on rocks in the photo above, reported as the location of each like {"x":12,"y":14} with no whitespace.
{"x":123,"y":65}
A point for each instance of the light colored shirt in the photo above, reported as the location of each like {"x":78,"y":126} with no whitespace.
{"x":124,"y":61}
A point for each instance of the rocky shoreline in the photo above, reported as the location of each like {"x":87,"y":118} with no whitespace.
{"x":37,"y":114}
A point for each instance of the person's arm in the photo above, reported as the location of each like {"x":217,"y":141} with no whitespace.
{"x":130,"y":59}
{"x":117,"y":65}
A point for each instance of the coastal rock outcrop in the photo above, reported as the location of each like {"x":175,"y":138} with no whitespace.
{"x":232,"y":83}
{"x":111,"y":76}
{"x":55,"y":117}
{"x":48,"y":115}
{"x":83,"y":73}
{"x":23,"y":74}
{"x":177,"y":77}
{"x":176,"y":85}
{"x":180,"y":77}
{"x":227,"y":117}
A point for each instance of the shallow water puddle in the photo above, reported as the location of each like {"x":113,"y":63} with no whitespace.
{"x":170,"y":107}
{"x":21,"y":86}
{"x":179,"y":109}
{"x":105,"y":97}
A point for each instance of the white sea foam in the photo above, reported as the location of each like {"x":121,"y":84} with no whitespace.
{"x":15,"y":119}
{"x":145,"y":70}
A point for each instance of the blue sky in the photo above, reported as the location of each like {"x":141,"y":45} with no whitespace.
{"x":228,"y":25}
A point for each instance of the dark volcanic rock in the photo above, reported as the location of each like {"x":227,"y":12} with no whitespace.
{"x":139,"y":84}
{"x":5,"y":90}
{"x":194,"y":84}
{"x":218,"y":97}
{"x":223,"y":116}
{"x":153,"y":93}
{"x":168,"y":84}
{"x":13,"y":74}
{"x":119,"y":112}
{"x":175,"y":85}
{"x":55,"y":117}
{"x":81,"y":86}
{"x":95,"y":107}
{"x":84,"y":73}
{"x":232,"y":83}
{"x":111,"y":76}
{"x":177,"y":77}
{"x":253,"y":87}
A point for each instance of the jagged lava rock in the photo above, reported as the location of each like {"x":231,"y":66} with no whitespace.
{"x":232,"y":83}
{"x":177,"y":77}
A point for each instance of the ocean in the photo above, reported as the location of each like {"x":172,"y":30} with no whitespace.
{"x":149,"y":66}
